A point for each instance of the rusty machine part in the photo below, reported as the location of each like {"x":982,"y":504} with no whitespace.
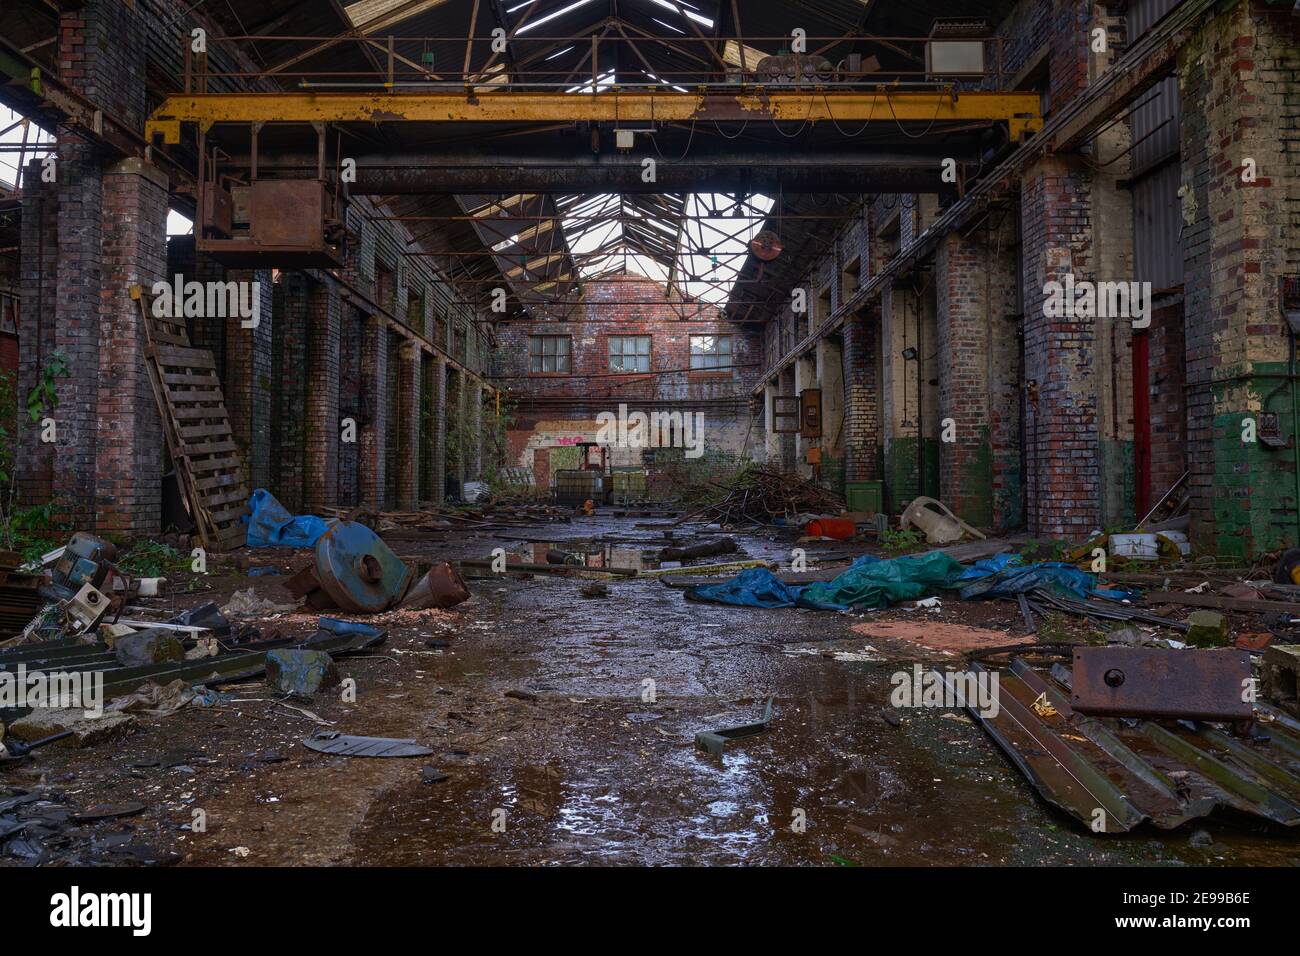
{"x":86,"y":559}
{"x":354,"y":570}
{"x":1155,"y":682}
{"x":442,"y":587}
{"x":766,"y":246}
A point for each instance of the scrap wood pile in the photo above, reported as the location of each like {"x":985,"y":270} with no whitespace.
{"x":439,"y":518}
{"x":760,"y":496}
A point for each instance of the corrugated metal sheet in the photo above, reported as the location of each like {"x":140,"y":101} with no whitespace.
{"x":1113,"y":775}
{"x":1157,"y":214}
{"x":1157,"y":227}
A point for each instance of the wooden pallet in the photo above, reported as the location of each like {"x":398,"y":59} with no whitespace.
{"x":197,"y":426}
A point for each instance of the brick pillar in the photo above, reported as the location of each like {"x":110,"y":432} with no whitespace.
{"x":76,"y":319}
{"x":805,"y":377}
{"x":247,"y":384}
{"x":1239,"y":82}
{"x":129,"y":447}
{"x":374,"y":398}
{"x":1063,"y":456}
{"x":862,"y":397}
{"x":900,"y":403}
{"x":786,"y":446}
{"x":407,"y":425}
{"x":322,"y":429}
{"x":289,"y":389}
{"x":965,"y":464}
{"x":474,"y":412}
{"x":771,"y":440}
{"x":455,"y":452}
{"x":438,"y":429}
{"x":830,"y":374}
{"x":36,"y":334}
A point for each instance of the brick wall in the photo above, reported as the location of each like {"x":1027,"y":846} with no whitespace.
{"x":1239,"y":84}
{"x":558,"y":410}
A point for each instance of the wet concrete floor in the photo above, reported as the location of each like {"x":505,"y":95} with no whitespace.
{"x":590,"y":759}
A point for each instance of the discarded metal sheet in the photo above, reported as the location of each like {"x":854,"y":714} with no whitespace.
{"x":333,"y":742}
{"x":1113,"y":775}
{"x":1157,"y":682}
{"x":339,"y":638}
{"x":715,"y":741}
{"x":109,"y":811}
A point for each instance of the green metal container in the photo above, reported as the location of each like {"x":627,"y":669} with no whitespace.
{"x":864,"y":496}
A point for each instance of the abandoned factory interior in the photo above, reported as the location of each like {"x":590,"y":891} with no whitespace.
{"x":523,"y":433}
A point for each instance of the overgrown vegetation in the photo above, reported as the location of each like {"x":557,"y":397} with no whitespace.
{"x":1051,"y":550}
{"x":27,"y":530}
{"x":152,"y":559}
{"x":900,"y":540}
{"x":496,"y":427}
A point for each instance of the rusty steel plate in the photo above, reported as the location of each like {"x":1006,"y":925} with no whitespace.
{"x":1155,"y":682}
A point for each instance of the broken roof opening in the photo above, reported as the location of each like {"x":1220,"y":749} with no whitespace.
{"x":16,"y":131}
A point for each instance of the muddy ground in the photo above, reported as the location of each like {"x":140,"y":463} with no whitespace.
{"x":536,"y":711}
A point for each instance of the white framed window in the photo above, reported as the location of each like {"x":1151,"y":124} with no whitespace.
{"x":549,"y":353}
{"x":711,"y":351}
{"x":629,"y":353}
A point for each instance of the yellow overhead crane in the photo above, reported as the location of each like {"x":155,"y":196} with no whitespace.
{"x":1020,"y":111}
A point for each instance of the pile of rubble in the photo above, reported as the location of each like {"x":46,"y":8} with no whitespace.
{"x":762,"y":497}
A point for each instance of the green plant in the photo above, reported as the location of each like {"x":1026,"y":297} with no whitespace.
{"x":152,"y":559}
{"x":897,"y":542}
{"x":16,"y":524}
{"x":1052,"y":550}
{"x":44,"y":396}
{"x":497,"y":422}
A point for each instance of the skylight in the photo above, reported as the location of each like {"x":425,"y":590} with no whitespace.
{"x":604,"y":81}
{"x":534,"y":24}
{"x":714,"y":248}
{"x":682,"y":8}
{"x":38,"y":144}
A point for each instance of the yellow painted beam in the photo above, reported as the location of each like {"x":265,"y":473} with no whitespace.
{"x":1020,"y":110}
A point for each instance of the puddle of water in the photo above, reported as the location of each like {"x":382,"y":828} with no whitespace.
{"x":591,"y":554}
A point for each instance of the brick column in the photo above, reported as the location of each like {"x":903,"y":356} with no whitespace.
{"x":1062,"y":451}
{"x":900,"y":405}
{"x":771,"y":440}
{"x":76,"y":337}
{"x":862,"y":398}
{"x":1239,"y":82}
{"x":474,"y":411}
{"x":438,"y":429}
{"x":407,"y":425}
{"x":965,"y":464}
{"x":247,"y":383}
{"x":288,"y":395}
{"x":374,"y":397}
{"x":322,"y":427}
{"x":36,"y":334}
{"x":129,"y":446}
{"x":455,"y":451}
{"x":786,"y":442}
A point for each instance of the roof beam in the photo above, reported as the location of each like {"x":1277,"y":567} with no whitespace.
{"x":1019,"y":110}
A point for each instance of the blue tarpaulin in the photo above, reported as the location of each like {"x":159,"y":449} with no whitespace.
{"x":271,"y":526}
{"x":871,"y":582}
